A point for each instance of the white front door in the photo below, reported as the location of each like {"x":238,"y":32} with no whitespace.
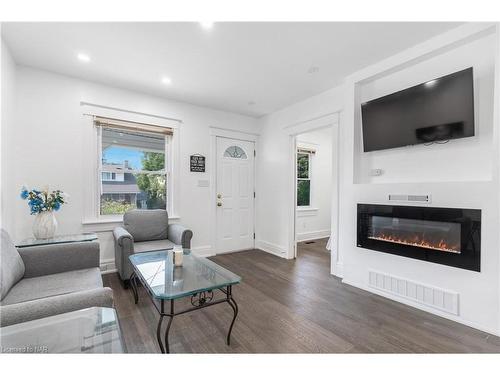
{"x":235,"y":195}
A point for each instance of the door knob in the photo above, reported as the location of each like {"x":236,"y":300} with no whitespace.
{"x":219,"y":204}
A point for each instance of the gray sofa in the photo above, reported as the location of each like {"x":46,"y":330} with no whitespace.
{"x":46,"y":280}
{"x":146,"y":230}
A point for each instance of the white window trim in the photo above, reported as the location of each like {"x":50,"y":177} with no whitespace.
{"x":92,"y":220}
{"x":307,"y":208}
{"x":306,"y":211}
{"x":108,"y":179}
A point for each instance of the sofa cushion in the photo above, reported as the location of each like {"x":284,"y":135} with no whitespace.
{"x":140,"y":247}
{"x":146,"y":225}
{"x":52,"y":285}
{"x":12,"y":266}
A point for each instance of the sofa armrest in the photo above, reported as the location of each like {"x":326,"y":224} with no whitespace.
{"x":56,"y":258}
{"x":124,"y":247}
{"x":180,"y":235}
{"x":43,"y":307}
{"x":121,"y":235}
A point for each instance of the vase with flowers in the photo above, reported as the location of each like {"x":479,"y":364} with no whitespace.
{"x":43,"y":204}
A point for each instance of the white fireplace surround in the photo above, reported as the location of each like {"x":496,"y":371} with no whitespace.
{"x":462,"y":173}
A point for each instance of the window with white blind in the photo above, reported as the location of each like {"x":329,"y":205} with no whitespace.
{"x":134,"y":166}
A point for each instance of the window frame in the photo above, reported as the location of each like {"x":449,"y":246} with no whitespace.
{"x":89,"y":111}
{"x":309,"y":172}
{"x":112,"y":176}
{"x":167,"y":172}
{"x":243,"y":155}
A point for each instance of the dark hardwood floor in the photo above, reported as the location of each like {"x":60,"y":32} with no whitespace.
{"x":296,"y":306}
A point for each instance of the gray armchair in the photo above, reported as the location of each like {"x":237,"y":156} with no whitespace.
{"x":41,"y":281}
{"x":146,"y":230}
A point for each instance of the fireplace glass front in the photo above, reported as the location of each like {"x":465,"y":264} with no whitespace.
{"x":449,"y":236}
{"x":425,"y":234}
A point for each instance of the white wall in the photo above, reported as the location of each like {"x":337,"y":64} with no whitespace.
{"x":467,"y":159}
{"x":8,"y":84}
{"x":462,"y":173}
{"x":47,"y":149}
{"x":274,"y":166}
{"x":430,"y":170}
{"x":314,"y":222}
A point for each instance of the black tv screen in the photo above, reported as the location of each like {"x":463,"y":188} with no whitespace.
{"x":434,"y":111}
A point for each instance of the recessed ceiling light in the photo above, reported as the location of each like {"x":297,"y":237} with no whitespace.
{"x":207,"y":25}
{"x":83,"y":57}
{"x":166,"y":80}
{"x":431,"y":83}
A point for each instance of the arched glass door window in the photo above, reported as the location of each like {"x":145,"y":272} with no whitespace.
{"x":235,"y":152}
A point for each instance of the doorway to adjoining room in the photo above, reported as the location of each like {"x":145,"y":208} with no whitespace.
{"x":314,"y":160}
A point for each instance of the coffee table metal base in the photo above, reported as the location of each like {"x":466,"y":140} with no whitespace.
{"x":199,"y":301}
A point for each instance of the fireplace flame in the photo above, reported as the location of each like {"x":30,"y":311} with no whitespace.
{"x":440,"y":245}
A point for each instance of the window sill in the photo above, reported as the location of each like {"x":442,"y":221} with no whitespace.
{"x":114,"y":219}
{"x":307,"y":211}
{"x":107,"y":224}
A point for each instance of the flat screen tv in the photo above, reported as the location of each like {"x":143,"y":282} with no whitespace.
{"x":434,"y":111}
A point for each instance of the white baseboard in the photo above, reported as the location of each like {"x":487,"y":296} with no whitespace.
{"x":107,"y":266}
{"x":203,"y":251}
{"x":314,"y":235}
{"x":339,"y":270}
{"x":271,"y":248}
{"x":419,"y":306}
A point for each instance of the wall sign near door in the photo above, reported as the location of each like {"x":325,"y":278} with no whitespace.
{"x":197,"y":163}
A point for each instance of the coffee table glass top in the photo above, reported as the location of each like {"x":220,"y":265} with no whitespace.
{"x":165,"y":281}
{"x":92,"y":330}
{"x":82,"y":237}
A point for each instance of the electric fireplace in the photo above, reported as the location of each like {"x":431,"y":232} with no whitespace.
{"x":449,"y":236}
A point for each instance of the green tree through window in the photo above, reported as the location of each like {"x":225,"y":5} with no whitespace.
{"x":303,"y":179}
{"x":151,"y":183}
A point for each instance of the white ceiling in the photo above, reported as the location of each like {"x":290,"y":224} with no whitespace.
{"x":226,"y":67}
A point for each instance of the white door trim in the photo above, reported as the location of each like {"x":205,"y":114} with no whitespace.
{"x":331,"y":119}
{"x":212,"y":165}
{"x":233,"y":134}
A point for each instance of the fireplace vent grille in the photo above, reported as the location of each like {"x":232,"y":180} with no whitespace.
{"x":410,"y":198}
{"x":434,"y":297}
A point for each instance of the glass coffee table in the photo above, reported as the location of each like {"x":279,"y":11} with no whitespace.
{"x":92,"y":330}
{"x":198,"y":278}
